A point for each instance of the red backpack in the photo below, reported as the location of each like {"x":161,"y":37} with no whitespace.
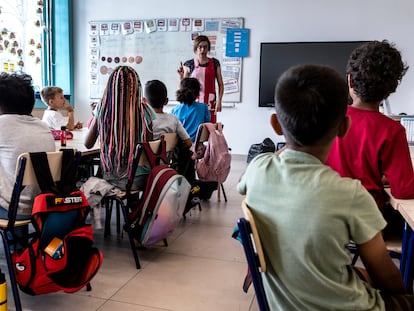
{"x":59,"y":255}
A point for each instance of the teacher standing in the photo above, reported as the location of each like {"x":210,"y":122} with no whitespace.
{"x":206,"y":70}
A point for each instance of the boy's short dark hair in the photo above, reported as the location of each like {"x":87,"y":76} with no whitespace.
{"x":311,"y":102}
{"x":156,"y":93}
{"x":49,"y":92}
{"x":16,"y":93}
{"x":375,"y":70}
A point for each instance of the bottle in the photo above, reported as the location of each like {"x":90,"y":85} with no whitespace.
{"x":3,"y":292}
{"x":63,"y":136}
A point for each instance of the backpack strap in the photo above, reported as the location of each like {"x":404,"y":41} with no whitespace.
{"x":44,"y":176}
{"x":160,"y":156}
{"x":41,"y":168}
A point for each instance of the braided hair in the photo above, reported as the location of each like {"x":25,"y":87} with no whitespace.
{"x":122,"y":122}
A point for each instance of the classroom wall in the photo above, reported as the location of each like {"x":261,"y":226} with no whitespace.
{"x":268,"y":21}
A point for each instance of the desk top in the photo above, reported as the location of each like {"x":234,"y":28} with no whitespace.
{"x":405,"y":207}
{"x":407,"y":212}
{"x":396,"y":203}
{"x":78,"y":143}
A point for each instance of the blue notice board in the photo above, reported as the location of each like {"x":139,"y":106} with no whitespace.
{"x":237,"y":44}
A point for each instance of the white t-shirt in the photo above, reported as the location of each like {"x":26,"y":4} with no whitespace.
{"x":54,"y":119}
{"x":19,"y":134}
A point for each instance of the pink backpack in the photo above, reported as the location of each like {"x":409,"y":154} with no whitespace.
{"x":215,"y":165}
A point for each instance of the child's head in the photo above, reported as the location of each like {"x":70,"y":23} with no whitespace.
{"x":189,"y":90}
{"x":311,"y":103}
{"x":156,"y":93}
{"x":374,"y":70}
{"x":53,"y":96}
{"x":16,"y":94}
{"x":121,"y":120}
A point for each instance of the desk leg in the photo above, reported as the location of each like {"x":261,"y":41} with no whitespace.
{"x":404,"y":247}
{"x":407,"y":258}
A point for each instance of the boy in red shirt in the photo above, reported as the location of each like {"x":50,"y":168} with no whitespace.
{"x":376,"y":146}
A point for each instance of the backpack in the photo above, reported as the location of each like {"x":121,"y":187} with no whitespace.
{"x":59,"y":254}
{"x":161,"y":207}
{"x":215,"y":164}
{"x":267,"y":145}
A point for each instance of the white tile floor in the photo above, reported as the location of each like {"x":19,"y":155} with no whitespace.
{"x":202,"y":268}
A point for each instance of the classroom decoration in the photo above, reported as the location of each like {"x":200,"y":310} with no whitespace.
{"x":155,"y":47}
{"x":17,"y":22}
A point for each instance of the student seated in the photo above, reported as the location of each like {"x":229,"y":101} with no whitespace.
{"x":121,"y":122}
{"x":53,"y":98}
{"x":20,"y":132}
{"x":155,"y":94}
{"x":190,"y":112}
{"x":376,"y":146}
{"x":306,"y":213}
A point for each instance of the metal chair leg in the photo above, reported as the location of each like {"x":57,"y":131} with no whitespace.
{"x":12,"y":276}
{"x":224,"y":193}
{"x":130,"y":237}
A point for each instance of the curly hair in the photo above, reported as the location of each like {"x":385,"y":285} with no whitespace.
{"x":375,"y":70}
{"x":188,"y":91}
{"x":16,"y":93}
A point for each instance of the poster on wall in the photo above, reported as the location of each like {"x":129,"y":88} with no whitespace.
{"x":156,"y":47}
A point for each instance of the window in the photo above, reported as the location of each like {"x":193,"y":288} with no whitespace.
{"x":27,"y":43}
{"x":21,"y":38}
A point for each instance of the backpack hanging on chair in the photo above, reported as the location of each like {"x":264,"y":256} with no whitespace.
{"x":161,"y":207}
{"x":59,"y":255}
{"x":215,"y":164}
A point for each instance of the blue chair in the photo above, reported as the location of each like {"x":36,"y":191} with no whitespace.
{"x":254,"y":254}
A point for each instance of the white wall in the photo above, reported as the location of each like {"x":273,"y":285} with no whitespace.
{"x":268,"y":21}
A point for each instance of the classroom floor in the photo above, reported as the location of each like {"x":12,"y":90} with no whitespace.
{"x":202,"y":268}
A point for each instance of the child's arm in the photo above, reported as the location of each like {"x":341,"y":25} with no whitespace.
{"x":92,"y":134}
{"x":383,"y":272}
{"x":71,"y":119}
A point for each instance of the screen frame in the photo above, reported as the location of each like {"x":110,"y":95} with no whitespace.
{"x":303,"y":53}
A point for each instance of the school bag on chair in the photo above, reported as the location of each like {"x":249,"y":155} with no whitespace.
{"x":161,"y":207}
{"x":215,"y":164}
{"x":60,"y":255}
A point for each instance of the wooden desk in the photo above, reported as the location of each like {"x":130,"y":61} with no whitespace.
{"x":89,"y":157}
{"x":78,"y":143}
{"x":396,"y":203}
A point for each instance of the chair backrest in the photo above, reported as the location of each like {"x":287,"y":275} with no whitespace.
{"x":254,"y":254}
{"x":202,"y":133}
{"x":171,"y":139}
{"x":256,"y":238}
{"x":29,"y":178}
{"x":25,"y":176}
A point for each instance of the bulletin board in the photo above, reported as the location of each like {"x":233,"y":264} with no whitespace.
{"x":155,"y":48}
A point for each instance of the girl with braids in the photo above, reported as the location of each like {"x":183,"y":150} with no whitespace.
{"x":122,"y":121}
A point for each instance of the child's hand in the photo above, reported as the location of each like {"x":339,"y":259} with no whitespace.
{"x":78,"y":125}
{"x":180,"y":70}
{"x":68,"y":107}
